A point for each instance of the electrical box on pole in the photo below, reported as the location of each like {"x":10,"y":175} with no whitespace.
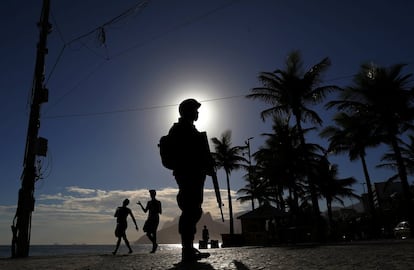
{"x":35,"y":146}
{"x":41,"y":147}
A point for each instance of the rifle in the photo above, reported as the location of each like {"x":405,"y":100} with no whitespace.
{"x":213,"y":175}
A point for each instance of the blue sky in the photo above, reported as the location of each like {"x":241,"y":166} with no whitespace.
{"x":110,"y":103}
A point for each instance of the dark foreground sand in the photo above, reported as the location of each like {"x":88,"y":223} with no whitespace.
{"x":368,"y":255}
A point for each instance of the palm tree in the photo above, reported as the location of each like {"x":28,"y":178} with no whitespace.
{"x":290,"y":91}
{"x":384,"y":95}
{"x":280,"y":161}
{"x":283,"y":164}
{"x":331,"y":187}
{"x":407,"y":152}
{"x":257,"y":188}
{"x":353,"y":134}
{"x":389,"y":161}
{"x":229,"y":158}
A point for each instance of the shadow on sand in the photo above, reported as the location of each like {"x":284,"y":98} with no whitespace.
{"x":194,"y":265}
{"x":240,"y":265}
{"x":204,"y":266}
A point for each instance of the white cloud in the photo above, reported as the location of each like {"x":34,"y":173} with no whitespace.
{"x":79,"y":190}
{"x":83,"y":215}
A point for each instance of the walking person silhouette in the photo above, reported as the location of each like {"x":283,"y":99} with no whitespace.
{"x":121,"y":214}
{"x":193,"y":161}
{"x":151,"y":224}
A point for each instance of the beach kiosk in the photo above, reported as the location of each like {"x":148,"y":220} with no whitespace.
{"x":259,"y":227}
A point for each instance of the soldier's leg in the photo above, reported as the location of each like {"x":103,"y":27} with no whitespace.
{"x":190,"y":201}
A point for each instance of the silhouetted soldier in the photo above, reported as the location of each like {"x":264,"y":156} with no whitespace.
{"x":193,"y":163}
{"x":121,"y":215}
{"x":151,"y":224}
{"x":206,"y":235}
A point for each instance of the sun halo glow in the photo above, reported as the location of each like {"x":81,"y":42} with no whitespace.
{"x":207,"y":113}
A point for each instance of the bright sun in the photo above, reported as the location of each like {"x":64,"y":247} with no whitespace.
{"x":206,"y":116}
{"x":202,"y":94}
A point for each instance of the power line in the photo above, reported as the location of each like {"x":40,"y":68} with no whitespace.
{"x":116,"y":19}
{"x":76,"y":115}
{"x":73,"y":115}
{"x":100,"y":29}
{"x":133,"y":9}
{"x":178,"y":26}
{"x":86,"y":77}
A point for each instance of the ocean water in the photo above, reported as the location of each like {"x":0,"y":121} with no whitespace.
{"x":50,"y":250}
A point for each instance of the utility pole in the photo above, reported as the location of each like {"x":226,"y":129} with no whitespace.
{"x":251,"y":182}
{"x":35,"y":146}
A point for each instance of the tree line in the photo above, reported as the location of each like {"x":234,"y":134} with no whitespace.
{"x":292,"y":174}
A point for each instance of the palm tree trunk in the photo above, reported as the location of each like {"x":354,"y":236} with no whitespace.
{"x":296,"y":199}
{"x":317,"y":226}
{"x":329,"y":207}
{"x":281,"y":202}
{"x":314,"y":196}
{"x":230,"y":204}
{"x":370,"y":195}
{"x":253,"y":187}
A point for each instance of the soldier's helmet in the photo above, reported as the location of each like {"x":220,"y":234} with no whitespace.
{"x":188,"y":105}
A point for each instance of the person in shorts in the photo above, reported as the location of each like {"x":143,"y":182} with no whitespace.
{"x":121,"y":214}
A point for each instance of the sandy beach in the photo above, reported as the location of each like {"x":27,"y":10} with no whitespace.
{"x":390,"y":254}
